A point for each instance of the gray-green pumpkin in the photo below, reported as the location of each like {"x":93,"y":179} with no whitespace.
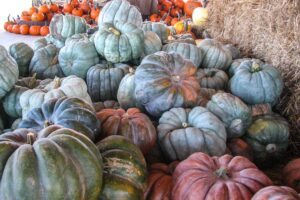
{"x":256,"y":83}
{"x":22,"y":53}
{"x":39,"y":43}
{"x":212,"y":78}
{"x":215,"y":55}
{"x":188,"y":51}
{"x":157,"y":27}
{"x":152,"y":43}
{"x":237,"y":62}
{"x":103,"y":80}
{"x":9,"y":72}
{"x":119,"y":42}
{"x":235,"y":114}
{"x":45,"y":63}
{"x":235,"y":52}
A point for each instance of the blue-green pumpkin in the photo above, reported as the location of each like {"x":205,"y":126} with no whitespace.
{"x":157,"y":27}
{"x":212,"y":78}
{"x":237,"y":63}
{"x":39,"y":43}
{"x":152,"y":43}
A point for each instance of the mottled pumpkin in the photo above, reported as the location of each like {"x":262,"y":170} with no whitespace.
{"x":98,"y":106}
{"x":125,"y":171}
{"x":39,"y":43}
{"x":119,"y":42}
{"x":152,"y":43}
{"x":57,"y":163}
{"x":103,"y":80}
{"x":212,"y":78}
{"x":256,"y":83}
{"x":182,"y":132}
{"x":220,"y":178}
{"x":237,"y":62}
{"x":157,"y":27}
{"x":276,"y":193}
{"x":133,"y":124}
{"x":238,"y":147}
{"x":291,"y":174}
{"x":22,"y":53}
{"x":166,"y":80}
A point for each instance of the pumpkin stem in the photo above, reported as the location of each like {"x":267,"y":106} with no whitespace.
{"x":185,"y":125}
{"x":255,"y":67}
{"x":114,"y":31}
{"x":176,"y":78}
{"x":47,"y":123}
{"x":131,"y":70}
{"x":271,"y":148}
{"x":30,"y":138}
{"x":222,"y":173}
{"x":57,"y":82}
{"x":236,"y":126}
{"x":32,"y":81}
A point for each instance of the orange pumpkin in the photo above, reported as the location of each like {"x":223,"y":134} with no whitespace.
{"x":85,"y":7}
{"x":44,"y":30}
{"x":154,"y":18}
{"x":16,"y":29}
{"x":49,"y":16}
{"x":44,"y":9}
{"x":77,"y":12}
{"x":74,"y":3}
{"x":175,"y":12}
{"x":53,"y":7}
{"x":95,"y":13}
{"x":9,"y":28}
{"x":68,"y":8}
{"x":167,"y":5}
{"x":26,"y":18}
{"x":32,"y":10}
{"x":179,"y":3}
{"x":34,"y":30}
{"x":168,"y":20}
{"x":37,"y":16}
{"x":190,"y":6}
{"x":24,"y":29}
{"x":8,"y":22}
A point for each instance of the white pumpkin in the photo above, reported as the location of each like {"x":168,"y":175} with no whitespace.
{"x":200,"y":16}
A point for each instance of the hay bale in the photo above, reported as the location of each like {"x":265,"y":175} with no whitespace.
{"x":269,"y":30}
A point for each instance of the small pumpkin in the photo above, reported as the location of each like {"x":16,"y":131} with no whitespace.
{"x":44,"y":30}
{"x":276,"y":192}
{"x":200,"y":16}
{"x":44,"y":9}
{"x":159,"y":28}
{"x":152,"y":43}
{"x":34,"y":30}
{"x":238,"y":147}
{"x":24,"y":29}
{"x":37,"y":17}
{"x":291,"y":175}
{"x":212,"y":78}
{"x":190,"y":6}
{"x":16,"y":29}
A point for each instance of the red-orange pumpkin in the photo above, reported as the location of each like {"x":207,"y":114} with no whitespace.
{"x":34,"y":30}
{"x":16,"y":29}
{"x":44,"y":30}
{"x":37,"y":16}
{"x":77,"y":12}
{"x":24,"y":29}
{"x":291,"y":174}
{"x":190,"y":6}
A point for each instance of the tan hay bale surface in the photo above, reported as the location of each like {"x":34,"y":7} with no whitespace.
{"x":269,"y":30}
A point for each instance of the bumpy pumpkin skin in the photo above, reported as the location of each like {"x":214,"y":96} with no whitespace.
{"x":291,"y":174}
{"x":59,"y":164}
{"x":132,"y":124}
{"x":119,"y":42}
{"x":235,"y":114}
{"x":188,"y":51}
{"x":103,"y":80}
{"x":22,"y":53}
{"x":166,"y":80}
{"x":237,"y":62}
{"x":39,"y":43}
{"x":212,"y":78}
{"x":182,"y":132}
{"x":68,"y":112}
{"x":256,"y":83}
{"x":125,"y":171}
{"x":152,"y":43}
{"x":220,"y":178}
{"x":268,"y":136}
{"x":276,"y":193}
{"x":119,"y":10}
{"x":9,"y":72}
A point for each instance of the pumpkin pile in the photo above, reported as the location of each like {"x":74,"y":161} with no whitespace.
{"x":123,"y":113}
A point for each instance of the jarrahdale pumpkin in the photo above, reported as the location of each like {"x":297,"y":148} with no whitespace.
{"x":157,"y":27}
{"x":276,"y":193}
{"x":291,"y":174}
{"x":152,"y":43}
{"x":237,"y":63}
{"x":212,"y":78}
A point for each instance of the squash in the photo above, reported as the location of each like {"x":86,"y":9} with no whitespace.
{"x":157,"y":27}
{"x":132,"y":124}
{"x":39,"y":43}
{"x":166,"y":80}
{"x":103,"y":80}
{"x":22,"y":53}
{"x":222,"y":178}
{"x":152,"y":43}
{"x":182,"y":132}
{"x":98,"y":106}
{"x":238,"y":147}
{"x":125,"y":170}
{"x":188,"y":51}
{"x":190,"y":6}
{"x":59,"y":43}
{"x":233,"y":112}
{"x":212,"y":78}
{"x":120,"y":42}
{"x":235,"y":52}
{"x":256,"y":83}
{"x":290,"y":174}
{"x":276,"y":192}
{"x":237,"y":63}
{"x":200,"y":16}
{"x":56,"y":163}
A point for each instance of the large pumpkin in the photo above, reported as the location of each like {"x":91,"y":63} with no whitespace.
{"x":276,"y":193}
{"x":166,"y":80}
{"x":182,"y":132}
{"x":103,"y":80}
{"x":237,"y":63}
{"x":188,"y":51}
{"x":119,"y":42}
{"x":132,"y":124}
{"x":22,"y":53}
{"x":212,"y":78}
{"x":57,"y":163}
{"x":157,"y":27}
{"x":235,"y":114}
{"x":291,"y":174}
{"x":125,"y":171}
{"x":219,"y":178}
{"x":256,"y":83}
{"x":152,"y":43}
{"x":9,"y":72}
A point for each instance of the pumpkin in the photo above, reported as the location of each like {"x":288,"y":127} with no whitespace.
{"x":77,"y":12}
{"x":103,"y":80}
{"x":53,"y":7}
{"x":190,"y":6}
{"x":98,"y":106}
{"x":10,"y":27}
{"x":44,"y":30}
{"x":182,"y":132}
{"x":9,"y":72}
{"x":22,"y":53}
{"x":222,"y":178}
{"x":215,"y":55}
{"x":154,"y":18}
{"x":85,"y":7}
{"x":121,"y":42}
{"x":237,"y":63}
{"x":206,"y":95}
{"x":261,"y":109}
{"x":268,"y":136}
{"x":68,"y":8}
{"x":34,"y":30}
{"x":188,"y":51}
{"x":16,"y":29}
{"x":152,"y":43}
{"x":291,"y":175}
{"x":235,"y":114}
{"x":68,"y":112}
{"x":160,"y":181}
{"x":44,"y":9}
{"x":95,"y":13}
{"x":132,"y":124}
{"x":125,"y":172}
{"x":122,"y":11}
{"x":39,"y":43}
{"x":24,"y":29}
{"x":37,"y":17}
{"x":212,"y":78}
{"x":276,"y":192}
{"x":238,"y":147}
{"x":56,"y":163}
{"x":256,"y":83}
{"x":157,"y":27}
{"x":182,"y":27}
{"x":200,"y":16}
{"x":235,"y":52}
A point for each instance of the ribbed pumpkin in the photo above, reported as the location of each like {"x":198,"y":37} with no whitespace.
{"x":119,"y":42}
{"x":152,"y":43}
{"x":238,"y":147}
{"x":39,"y":43}
{"x":103,"y":80}
{"x":51,"y":39}
{"x":120,"y":10}
{"x":212,"y":78}
{"x":235,"y":114}
{"x":57,"y":163}
{"x":237,"y":63}
{"x":98,"y":106}
{"x":220,"y":178}
{"x":9,"y":72}
{"x":256,"y":83}
{"x":125,"y":171}
{"x":291,"y":174}
{"x":188,"y":51}
{"x":157,"y":27}
{"x":133,"y":124}
{"x":166,"y":80}
{"x":22,"y":53}
{"x":68,"y":112}
{"x":215,"y":55}
{"x":182,"y":132}
{"x":268,"y":136}
{"x":276,"y":193}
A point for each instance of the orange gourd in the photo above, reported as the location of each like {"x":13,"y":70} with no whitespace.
{"x":37,"y":16}
{"x":24,"y":29}
{"x":190,"y":6}
{"x":32,"y":10}
{"x":43,"y":9}
{"x":44,"y":30}
{"x":77,"y":12}
{"x":16,"y":29}
{"x":53,"y":7}
{"x":68,"y":8}
{"x":9,"y":28}
{"x":95,"y":13}
{"x":34,"y":30}
{"x":154,"y":18}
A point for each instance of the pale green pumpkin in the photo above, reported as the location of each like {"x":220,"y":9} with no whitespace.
{"x":157,"y":27}
{"x":152,"y":43}
{"x":22,"y":53}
